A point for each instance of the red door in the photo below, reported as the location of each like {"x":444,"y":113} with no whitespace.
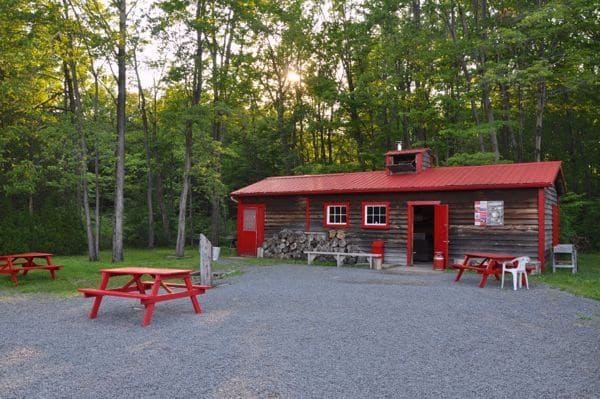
{"x":250,"y":228}
{"x":440,"y":231}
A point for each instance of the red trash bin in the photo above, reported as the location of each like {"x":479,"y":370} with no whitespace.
{"x":377,"y":248}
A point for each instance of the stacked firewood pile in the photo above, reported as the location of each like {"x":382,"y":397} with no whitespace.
{"x":288,"y":244}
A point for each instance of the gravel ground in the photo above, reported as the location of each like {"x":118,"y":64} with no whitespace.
{"x":309,"y":332}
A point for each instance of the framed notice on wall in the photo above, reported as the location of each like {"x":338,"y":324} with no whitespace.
{"x":489,"y":213}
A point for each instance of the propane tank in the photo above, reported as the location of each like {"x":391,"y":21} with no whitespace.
{"x":438,"y":260}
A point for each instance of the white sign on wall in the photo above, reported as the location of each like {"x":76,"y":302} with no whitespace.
{"x":489,"y":213}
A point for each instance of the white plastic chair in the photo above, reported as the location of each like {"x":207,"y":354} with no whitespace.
{"x":516,"y":271}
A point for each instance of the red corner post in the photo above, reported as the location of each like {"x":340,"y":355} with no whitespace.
{"x":541,"y":227}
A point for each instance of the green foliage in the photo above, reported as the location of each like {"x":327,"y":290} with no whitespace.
{"x":370,"y":73}
{"x":579,"y":217}
{"x":52,"y":229}
{"x":317,"y":168}
{"x":478,"y":158}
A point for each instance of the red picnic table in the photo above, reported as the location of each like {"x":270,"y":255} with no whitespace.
{"x":16,"y":263}
{"x":137,"y":289}
{"x":486,"y":263}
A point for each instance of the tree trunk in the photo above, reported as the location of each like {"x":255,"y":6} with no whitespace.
{"x":353,"y":111}
{"x":77,"y":109}
{"x":539,"y":118}
{"x":96,"y":158}
{"x":463,"y":65}
{"x":511,"y":141}
{"x":187,"y":167}
{"x":215,"y":219}
{"x":117,"y":244}
{"x":92,"y":254}
{"x":159,"y":182}
{"x":195,"y":100}
{"x":520,"y":150}
{"x":149,"y":177}
{"x":486,"y":86}
{"x":97,"y":205}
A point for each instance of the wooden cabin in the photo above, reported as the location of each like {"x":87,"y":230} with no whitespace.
{"x":415,"y":208}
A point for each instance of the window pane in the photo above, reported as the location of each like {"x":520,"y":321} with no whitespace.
{"x":337,"y":214}
{"x":375,"y":215}
{"x":249,"y":219}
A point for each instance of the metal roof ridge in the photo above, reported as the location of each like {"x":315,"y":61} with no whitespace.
{"x":428,"y":169}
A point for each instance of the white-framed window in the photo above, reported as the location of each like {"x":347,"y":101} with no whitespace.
{"x":375,"y":215}
{"x":336,"y":214}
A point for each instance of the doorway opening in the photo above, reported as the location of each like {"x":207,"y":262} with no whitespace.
{"x":423,"y":233}
{"x":427,"y":231}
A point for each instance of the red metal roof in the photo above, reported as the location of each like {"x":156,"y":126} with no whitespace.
{"x":516,"y":175}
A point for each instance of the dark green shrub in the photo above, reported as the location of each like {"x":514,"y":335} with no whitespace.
{"x":50,"y":229}
{"x":579,"y":217}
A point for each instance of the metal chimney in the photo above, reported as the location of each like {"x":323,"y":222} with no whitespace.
{"x":399,"y":145}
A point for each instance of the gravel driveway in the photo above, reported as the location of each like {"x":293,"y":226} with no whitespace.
{"x":309,"y":332}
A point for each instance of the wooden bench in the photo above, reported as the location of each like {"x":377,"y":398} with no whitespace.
{"x":94,"y":292}
{"x":460,"y":266}
{"x":14,"y":271}
{"x":340,"y":256}
{"x":51,"y":268}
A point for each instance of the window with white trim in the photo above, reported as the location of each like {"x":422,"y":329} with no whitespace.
{"x":337,"y":215}
{"x":375,"y":215}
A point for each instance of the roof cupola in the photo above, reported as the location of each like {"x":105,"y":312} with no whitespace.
{"x":413,"y":161}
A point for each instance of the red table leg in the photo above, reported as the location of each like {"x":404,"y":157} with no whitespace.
{"x":98,"y":299}
{"x":13,"y":277}
{"x":150,"y":306}
{"x":459,"y":275}
{"x":195,"y":303}
{"x":483,"y":280}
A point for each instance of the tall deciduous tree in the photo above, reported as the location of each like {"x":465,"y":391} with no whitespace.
{"x":117,"y":246}
{"x":198,"y":25}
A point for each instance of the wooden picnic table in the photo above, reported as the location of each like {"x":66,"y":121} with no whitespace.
{"x":486,"y":264}
{"x":148,"y":292}
{"x":14,"y":264}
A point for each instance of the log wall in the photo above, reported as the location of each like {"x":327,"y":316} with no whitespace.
{"x":518,"y":235}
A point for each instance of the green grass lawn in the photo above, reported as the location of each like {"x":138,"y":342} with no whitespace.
{"x":79,"y":272}
{"x":586,"y":282}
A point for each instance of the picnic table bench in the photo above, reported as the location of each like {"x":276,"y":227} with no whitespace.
{"x":14,"y":264}
{"x":136,"y":288}
{"x":340,"y":256}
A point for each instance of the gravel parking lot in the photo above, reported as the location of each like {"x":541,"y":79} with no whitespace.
{"x":309,"y":332}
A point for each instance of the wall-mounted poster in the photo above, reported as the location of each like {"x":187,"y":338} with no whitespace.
{"x":489,"y":213}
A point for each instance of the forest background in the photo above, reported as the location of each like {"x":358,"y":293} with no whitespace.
{"x":128,"y":123}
